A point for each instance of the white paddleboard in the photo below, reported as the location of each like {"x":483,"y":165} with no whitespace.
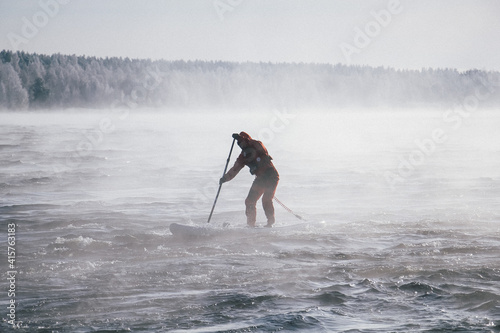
{"x":195,"y":231}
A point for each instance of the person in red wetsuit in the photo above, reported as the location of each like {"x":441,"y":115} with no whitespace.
{"x":255,"y":156}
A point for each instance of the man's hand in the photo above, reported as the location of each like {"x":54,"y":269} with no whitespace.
{"x":222,"y":180}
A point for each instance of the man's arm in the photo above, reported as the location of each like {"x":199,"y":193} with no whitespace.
{"x":238,"y":165}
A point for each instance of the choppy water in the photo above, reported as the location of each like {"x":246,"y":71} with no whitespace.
{"x":92,"y":198}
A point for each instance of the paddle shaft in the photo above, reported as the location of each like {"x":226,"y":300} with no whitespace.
{"x":220,"y":185}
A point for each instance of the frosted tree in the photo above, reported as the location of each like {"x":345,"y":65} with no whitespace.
{"x":38,"y":93}
{"x":3,"y":94}
{"x":15,"y":96}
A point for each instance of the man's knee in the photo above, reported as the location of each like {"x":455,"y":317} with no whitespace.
{"x":250,"y":202}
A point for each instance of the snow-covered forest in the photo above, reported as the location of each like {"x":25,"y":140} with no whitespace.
{"x":34,"y":81}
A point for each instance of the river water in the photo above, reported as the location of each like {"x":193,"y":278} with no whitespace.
{"x":402,"y":230}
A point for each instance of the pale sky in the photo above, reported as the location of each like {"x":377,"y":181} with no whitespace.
{"x":402,"y":34}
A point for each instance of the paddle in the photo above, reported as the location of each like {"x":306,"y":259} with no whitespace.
{"x":220,"y":185}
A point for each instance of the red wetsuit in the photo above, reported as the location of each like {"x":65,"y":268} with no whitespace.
{"x":255,"y":156}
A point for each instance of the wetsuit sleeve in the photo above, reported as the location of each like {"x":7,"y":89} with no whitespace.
{"x":238,"y":165}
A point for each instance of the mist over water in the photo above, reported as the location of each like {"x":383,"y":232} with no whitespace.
{"x":402,"y":228}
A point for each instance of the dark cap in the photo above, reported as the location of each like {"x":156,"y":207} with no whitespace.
{"x":242,"y":136}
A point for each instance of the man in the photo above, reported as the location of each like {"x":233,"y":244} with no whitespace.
{"x":255,"y":156}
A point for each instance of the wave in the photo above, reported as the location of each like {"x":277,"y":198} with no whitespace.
{"x":7,"y":146}
{"x":37,"y":180}
{"x":75,"y":244}
{"x":224,"y":307}
{"x":7,"y":163}
{"x":330,"y":298}
{"x":7,"y":209}
{"x":478,"y":300}
{"x":420,"y":288}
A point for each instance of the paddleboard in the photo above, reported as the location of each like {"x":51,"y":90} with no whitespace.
{"x":196,"y":231}
{"x":184,"y":230}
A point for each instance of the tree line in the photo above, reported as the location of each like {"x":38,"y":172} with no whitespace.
{"x":35,"y":81}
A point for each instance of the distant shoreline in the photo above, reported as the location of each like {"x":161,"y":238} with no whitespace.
{"x":30,"y":81}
